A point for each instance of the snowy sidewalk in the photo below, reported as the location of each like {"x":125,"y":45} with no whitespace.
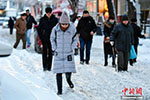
{"x":92,"y":82}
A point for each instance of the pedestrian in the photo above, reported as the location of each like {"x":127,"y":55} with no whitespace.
{"x":11,"y":24}
{"x":47,"y":22}
{"x":30,"y":20}
{"x":86,"y":29}
{"x":108,"y":27}
{"x":20,"y":26}
{"x":137,"y":35}
{"x":122,"y":35}
{"x":64,"y":41}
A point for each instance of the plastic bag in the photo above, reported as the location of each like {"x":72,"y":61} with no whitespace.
{"x":132,"y":52}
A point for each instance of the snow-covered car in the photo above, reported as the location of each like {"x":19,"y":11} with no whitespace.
{"x":5,"y":22}
{"x":5,"y":49}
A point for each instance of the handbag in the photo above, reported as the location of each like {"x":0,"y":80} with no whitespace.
{"x":132,"y":52}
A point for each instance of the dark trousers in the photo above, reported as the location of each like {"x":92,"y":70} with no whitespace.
{"x":59,"y":80}
{"x":47,"y":55}
{"x":18,"y":38}
{"x":11,"y":30}
{"x":123,"y":58}
{"x":109,"y":50}
{"x":85,"y":44}
{"x":106,"y":58}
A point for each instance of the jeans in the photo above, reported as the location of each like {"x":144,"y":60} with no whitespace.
{"x":87,"y":45}
{"x":28,"y":35}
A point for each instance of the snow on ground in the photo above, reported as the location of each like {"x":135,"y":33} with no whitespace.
{"x":92,"y":82}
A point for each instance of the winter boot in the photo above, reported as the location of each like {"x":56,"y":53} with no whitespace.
{"x":131,"y":62}
{"x":68,"y":77}
{"x":59,"y":83}
{"x":113,"y":65}
{"x":106,"y":63}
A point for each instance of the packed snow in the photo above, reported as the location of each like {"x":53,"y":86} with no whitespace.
{"x":22,"y":76}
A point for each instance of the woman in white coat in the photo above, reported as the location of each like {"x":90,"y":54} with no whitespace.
{"x":63,"y":42}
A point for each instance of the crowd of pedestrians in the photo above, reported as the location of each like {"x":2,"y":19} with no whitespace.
{"x":61,"y":39}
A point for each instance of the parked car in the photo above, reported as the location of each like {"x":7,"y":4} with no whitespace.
{"x":37,"y":42}
{"x":5,"y":22}
{"x":5,"y":49}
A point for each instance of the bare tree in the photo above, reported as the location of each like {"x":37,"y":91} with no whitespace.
{"x":131,"y":9}
{"x":74,"y":7}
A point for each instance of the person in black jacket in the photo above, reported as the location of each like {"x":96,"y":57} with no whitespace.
{"x":86,"y":28}
{"x":137,"y":35}
{"x":11,"y":24}
{"x":122,"y":34}
{"x":108,"y":27}
{"x":30,"y":20}
{"x":46,"y":24}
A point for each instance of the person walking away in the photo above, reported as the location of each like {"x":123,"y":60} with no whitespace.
{"x":86,"y":29}
{"x":30,"y":20}
{"x":137,"y":35}
{"x":122,"y":34}
{"x":20,"y":26}
{"x":63,"y":44}
{"x":11,"y":24}
{"x":47,"y":22}
{"x":108,"y":27}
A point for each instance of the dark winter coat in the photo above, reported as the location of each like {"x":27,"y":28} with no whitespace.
{"x":85,"y":26}
{"x":11,"y":22}
{"x":45,"y":27}
{"x":107,"y":31}
{"x":30,"y":20}
{"x":137,"y":33}
{"x":123,"y":37}
{"x":64,"y":43}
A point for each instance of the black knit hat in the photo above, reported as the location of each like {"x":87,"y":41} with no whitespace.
{"x":24,"y":14}
{"x":85,"y":12}
{"x":124,"y":17}
{"x":48,"y":10}
{"x":111,"y":17}
{"x":133,"y":20}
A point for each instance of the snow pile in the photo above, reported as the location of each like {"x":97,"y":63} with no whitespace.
{"x":18,"y":81}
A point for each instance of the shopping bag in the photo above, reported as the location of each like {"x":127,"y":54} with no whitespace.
{"x":132,"y":52}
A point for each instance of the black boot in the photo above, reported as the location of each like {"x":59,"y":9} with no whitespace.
{"x":68,"y":77}
{"x":113,"y":65}
{"x":131,"y":62}
{"x":106,"y":63}
{"x":59,"y":83}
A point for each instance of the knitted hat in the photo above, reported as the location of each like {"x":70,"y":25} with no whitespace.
{"x":124,"y":17}
{"x":133,"y":20}
{"x":64,"y":18}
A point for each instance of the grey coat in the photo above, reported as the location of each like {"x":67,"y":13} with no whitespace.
{"x":123,"y":37}
{"x":63,"y":44}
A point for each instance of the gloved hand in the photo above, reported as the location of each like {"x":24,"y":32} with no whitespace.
{"x":144,"y":37}
{"x":53,"y":52}
{"x":111,"y":43}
